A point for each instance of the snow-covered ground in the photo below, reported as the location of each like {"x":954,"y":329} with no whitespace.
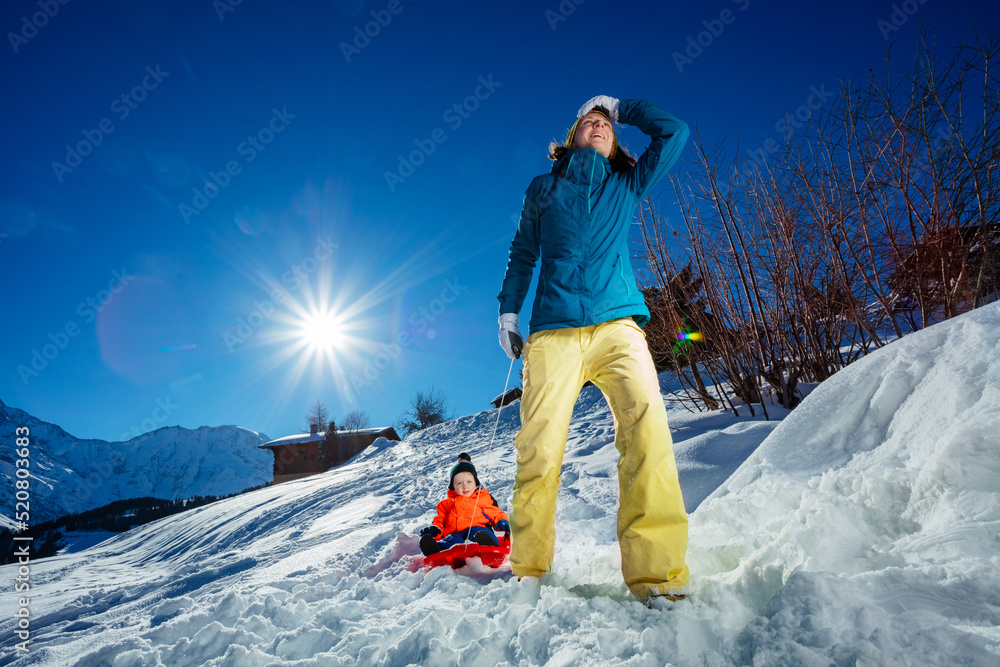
{"x":863,"y":530}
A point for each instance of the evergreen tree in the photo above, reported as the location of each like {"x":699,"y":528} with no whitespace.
{"x":330,"y":453}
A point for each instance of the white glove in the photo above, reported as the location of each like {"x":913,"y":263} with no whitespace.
{"x":510,"y":336}
{"x":609,"y":103}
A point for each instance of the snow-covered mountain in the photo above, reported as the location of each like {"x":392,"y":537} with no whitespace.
{"x":861,"y":530}
{"x":72,"y":475}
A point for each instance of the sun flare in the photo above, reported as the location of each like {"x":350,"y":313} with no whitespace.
{"x":322,"y":332}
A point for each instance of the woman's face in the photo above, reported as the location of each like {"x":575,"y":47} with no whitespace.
{"x":594,"y":131}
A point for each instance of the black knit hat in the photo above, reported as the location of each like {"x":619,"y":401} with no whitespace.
{"x":464,"y":465}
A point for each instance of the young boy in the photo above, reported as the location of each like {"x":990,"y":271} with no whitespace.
{"x":469,"y":512}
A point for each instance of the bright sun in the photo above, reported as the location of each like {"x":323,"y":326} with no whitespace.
{"x":321,"y":332}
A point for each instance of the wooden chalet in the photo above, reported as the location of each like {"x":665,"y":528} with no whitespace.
{"x":298,"y":456}
{"x":509,"y":397}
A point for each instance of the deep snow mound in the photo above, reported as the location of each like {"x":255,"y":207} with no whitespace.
{"x":868,"y":523}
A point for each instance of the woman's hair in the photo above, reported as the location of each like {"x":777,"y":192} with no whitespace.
{"x":620,"y":159}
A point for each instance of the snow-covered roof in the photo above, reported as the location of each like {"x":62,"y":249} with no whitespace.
{"x":367,"y":431}
{"x":303,"y":438}
{"x":295,"y":439}
{"x":506,"y":393}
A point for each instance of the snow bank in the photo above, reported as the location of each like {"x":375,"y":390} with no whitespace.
{"x":863,"y":530}
{"x":867,"y":524}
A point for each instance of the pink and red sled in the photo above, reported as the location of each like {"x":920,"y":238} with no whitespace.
{"x":458,"y":554}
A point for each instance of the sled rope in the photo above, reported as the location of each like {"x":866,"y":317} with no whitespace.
{"x":490,"y":452}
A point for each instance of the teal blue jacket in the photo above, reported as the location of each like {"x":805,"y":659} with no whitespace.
{"x":576,"y":218}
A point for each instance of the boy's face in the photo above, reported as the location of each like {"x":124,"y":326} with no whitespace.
{"x":464,"y":484}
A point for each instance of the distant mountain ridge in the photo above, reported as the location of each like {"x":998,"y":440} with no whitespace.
{"x":70,"y":475}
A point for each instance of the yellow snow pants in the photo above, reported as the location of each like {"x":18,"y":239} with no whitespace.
{"x":652,"y":522}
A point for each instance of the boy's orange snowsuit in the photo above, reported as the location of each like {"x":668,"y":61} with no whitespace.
{"x":456,"y":512}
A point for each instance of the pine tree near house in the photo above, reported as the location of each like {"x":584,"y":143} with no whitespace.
{"x":329,"y":447}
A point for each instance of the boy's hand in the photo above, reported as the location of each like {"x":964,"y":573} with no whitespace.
{"x":433,"y":531}
{"x":502,"y":526}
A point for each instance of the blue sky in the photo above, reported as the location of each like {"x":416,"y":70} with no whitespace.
{"x":183,"y":182}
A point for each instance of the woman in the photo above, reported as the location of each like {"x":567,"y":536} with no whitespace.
{"x":585,"y":325}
